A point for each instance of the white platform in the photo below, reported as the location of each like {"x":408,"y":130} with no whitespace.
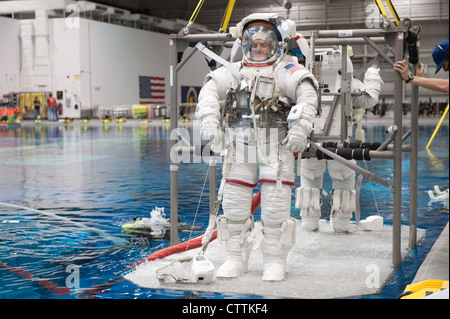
{"x":322,"y":264}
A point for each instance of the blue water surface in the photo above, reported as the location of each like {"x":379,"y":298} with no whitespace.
{"x":98,"y":177}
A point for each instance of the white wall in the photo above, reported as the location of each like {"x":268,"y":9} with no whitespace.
{"x":66,"y":66}
{"x":9,"y":56}
{"x":97,"y":63}
{"x":116,"y":56}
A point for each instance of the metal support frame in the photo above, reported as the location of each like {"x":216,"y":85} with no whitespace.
{"x":399,"y":34}
{"x":413,"y":170}
{"x":178,"y":43}
{"x":345,"y":38}
{"x":398,"y":114}
{"x":346,"y":93}
{"x":173,"y":103}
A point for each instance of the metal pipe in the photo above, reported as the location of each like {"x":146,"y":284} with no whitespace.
{"x":405,"y":148}
{"x":397,"y":180}
{"x":356,"y":33}
{"x":346,"y":41}
{"x":380,"y":52}
{"x":173,"y":103}
{"x":387,"y":142}
{"x":312,"y":54}
{"x":413,"y":170}
{"x":345,"y":91}
{"x":326,"y":129}
{"x":406,"y":135}
{"x":381,"y":154}
{"x":183,"y":62}
{"x":206,"y":37}
{"x":369,"y":175}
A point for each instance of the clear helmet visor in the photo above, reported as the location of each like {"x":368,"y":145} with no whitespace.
{"x":259,"y":42}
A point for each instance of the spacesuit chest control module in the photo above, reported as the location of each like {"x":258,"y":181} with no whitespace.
{"x":267,"y":109}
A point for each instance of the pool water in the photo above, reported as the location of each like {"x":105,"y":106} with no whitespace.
{"x":67,"y":189}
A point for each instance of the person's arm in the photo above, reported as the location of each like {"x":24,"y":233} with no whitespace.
{"x":440,"y":85}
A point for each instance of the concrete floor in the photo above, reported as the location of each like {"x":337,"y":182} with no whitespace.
{"x":435,"y":265}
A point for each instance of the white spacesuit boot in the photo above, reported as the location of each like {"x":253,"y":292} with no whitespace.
{"x":278,"y":240}
{"x":343,"y":206}
{"x":274,"y":257}
{"x":308,"y":199}
{"x":234,"y":228}
{"x":278,"y":230}
{"x":237,"y":249}
{"x":308,"y":196}
{"x":343,"y":196}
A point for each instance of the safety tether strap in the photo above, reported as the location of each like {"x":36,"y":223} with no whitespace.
{"x":204,"y":50}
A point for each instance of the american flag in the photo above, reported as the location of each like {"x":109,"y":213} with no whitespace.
{"x":152,"y":90}
{"x":291,"y":67}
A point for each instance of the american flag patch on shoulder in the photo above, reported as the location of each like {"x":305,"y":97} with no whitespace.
{"x":291,"y":67}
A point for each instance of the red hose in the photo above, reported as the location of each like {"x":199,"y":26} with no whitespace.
{"x":193,"y":243}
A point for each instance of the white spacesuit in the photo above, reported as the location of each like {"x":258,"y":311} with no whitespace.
{"x":329,"y":125}
{"x":278,"y":96}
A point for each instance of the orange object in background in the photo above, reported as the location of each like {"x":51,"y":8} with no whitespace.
{"x":10,"y":112}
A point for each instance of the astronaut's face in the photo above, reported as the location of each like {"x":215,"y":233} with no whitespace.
{"x":260,"y":50}
{"x":259,"y":42}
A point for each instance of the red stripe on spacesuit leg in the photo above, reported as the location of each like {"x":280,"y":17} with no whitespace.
{"x":235,"y":181}
{"x":272,"y":181}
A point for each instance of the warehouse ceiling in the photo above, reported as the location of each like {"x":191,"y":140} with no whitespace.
{"x":306,"y":13}
{"x":169,"y":16}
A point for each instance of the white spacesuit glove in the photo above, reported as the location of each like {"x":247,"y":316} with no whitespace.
{"x":296,"y":139}
{"x":211,"y":132}
{"x":372,"y":80}
{"x":372,"y":88}
{"x":373,"y":73}
{"x":300,"y":121}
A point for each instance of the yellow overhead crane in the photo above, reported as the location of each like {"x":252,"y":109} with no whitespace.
{"x":227,"y":16}
{"x":225,"y":19}
{"x":391,"y":7}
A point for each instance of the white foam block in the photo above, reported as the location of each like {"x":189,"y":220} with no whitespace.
{"x":372,"y":223}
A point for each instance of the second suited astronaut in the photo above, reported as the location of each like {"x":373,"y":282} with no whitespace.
{"x":328,"y":128}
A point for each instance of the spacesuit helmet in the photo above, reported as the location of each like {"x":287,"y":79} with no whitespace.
{"x":264,"y":37}
{"x":260,"y":42}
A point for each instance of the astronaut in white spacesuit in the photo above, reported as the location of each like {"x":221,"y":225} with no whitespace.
{"x":308,"y":196}
{"x":278,"y":97}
